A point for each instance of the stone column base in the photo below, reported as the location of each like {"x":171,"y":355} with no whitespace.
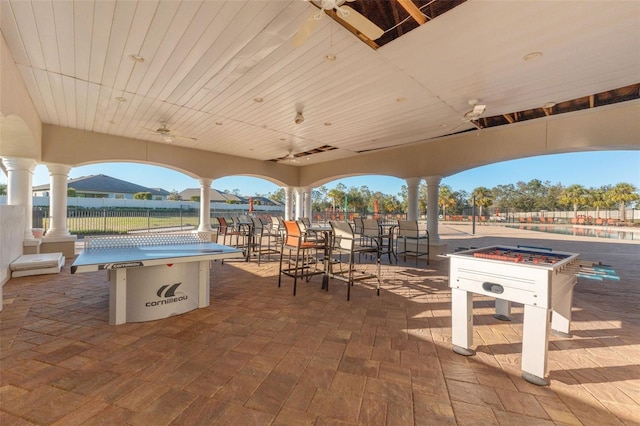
{"x":31,"y":246}
{"x":65,"y":245}
{"x":437,"y":249}
{"x":211,"y":235}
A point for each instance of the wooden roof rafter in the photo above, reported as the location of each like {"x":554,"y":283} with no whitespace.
{"x":413,"y":10}
{"x":621,"y":94}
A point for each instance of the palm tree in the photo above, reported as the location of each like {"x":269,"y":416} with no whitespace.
{"x":597,"y":197}
{"x":483,"y":196}
{"x":422,"y":197}
{"x":446,"y":198}
{"x":337,"y":195}
{"x":390,"y":204}
{"x":622,"y":194}
{"x":574,"y":195}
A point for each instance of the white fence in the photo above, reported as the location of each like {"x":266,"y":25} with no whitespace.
{"x":99,"y":203}
{"x":630,"y":214}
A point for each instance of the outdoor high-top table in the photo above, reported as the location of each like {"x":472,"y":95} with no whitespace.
{"x":387,"y":230}
{"x":246,"y":226}
{"x":326,"y":230}
{"x":153,"y":276}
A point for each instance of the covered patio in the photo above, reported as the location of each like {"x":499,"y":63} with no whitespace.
{"x":258,"y":355}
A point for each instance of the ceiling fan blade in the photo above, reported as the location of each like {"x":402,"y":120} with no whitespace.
{"x":360,"y":23}
{"x":187,"y":138}
{"x":306,"y":29}
{"x":288,"y":160}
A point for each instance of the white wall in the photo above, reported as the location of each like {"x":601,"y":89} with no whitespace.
{"x":11,"y":240}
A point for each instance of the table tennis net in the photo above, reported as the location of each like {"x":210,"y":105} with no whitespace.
{"x":123,"y":241}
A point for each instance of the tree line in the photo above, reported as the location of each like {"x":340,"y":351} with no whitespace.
{"x":531,"y":196}
{"x":534,"y":195}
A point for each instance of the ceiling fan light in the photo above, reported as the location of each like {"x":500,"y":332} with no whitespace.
{"x":167,"y":138}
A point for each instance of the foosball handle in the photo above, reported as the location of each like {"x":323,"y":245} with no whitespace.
{"x":607,"y":269}
{"x":590,"y":276}
{"x":611,"y":277}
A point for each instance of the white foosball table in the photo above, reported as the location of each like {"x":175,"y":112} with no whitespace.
{"x":539,"y":278}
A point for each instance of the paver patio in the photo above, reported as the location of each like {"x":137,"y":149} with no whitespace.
{"x":258,"y":355}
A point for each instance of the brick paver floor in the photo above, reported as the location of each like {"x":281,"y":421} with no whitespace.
{"x":258,"y":355}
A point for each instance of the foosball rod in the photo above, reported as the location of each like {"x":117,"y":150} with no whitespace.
{"x":591,"y":274}
{"x":594,"y":266}
{"x":598,"y":267}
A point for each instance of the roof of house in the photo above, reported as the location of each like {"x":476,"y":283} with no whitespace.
{"x":104,"y":183}
{"x":216,"y":196}
{"x":266,"y":201}
{"x":222,"y":197}
{"x":233,"y":197}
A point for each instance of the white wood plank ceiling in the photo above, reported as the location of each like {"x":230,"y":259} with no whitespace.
{"x":207,"y":62}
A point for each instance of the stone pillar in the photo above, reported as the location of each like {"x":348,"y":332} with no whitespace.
{"x":437,"y":247}
{"x":205,"y":204}
{"x":299,"y":201}
{"x":433,"y":193}
{"x":307,"y":203}
{"x":19,"y":188}
{"x":58,"y":239}
{"x":412,"y":198}
{"x":288,"y":203}
{"x":58,"y":174}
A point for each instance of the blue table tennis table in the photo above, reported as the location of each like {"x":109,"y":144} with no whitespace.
{"x":153,"y":276}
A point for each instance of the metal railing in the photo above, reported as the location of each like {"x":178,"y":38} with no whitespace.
{"x":122,"y":221}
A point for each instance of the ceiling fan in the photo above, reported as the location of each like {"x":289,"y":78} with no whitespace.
{"x":167,"y":134}
{"x":476,"y":111}
{"x":472,"y":116}
{"x":343,"y":12}
{"x":290,"y":157}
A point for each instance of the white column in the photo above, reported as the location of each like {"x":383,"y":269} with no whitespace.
{"x":288,"y":203}
{"x":307,"y":203}
{"x":433,"y":193}
{"x":412,"y":198}
{"x":299,"y":200}
{"x":58,"y":174}
{"x":19,"y":188}
{"x":205,"y":204}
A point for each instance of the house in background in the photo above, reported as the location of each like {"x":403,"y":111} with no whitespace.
{"x":264,"y":201}
{"x":190,"y":194}
{"x":226,"y":197}
{"x":102,"y":186}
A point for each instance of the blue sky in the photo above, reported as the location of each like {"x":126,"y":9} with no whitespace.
{"x":590,"y":169}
